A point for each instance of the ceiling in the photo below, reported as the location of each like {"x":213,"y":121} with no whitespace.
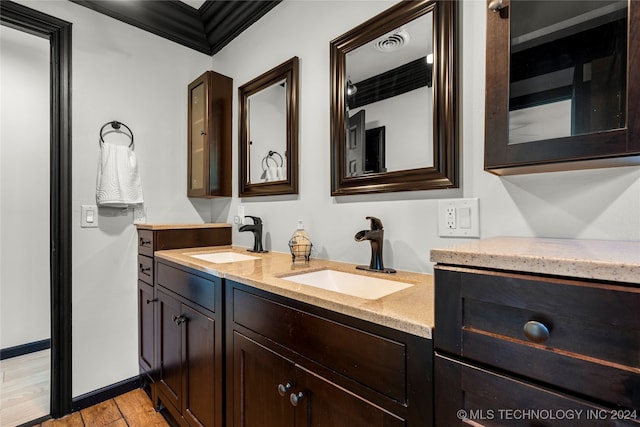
{"x":206,"y":26}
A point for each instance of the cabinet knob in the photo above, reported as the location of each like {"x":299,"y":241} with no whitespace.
{"x":283,"y":389}
{"x":296,"y":398}
{"x":149,"y":301}
{"x":179,"y":319}
{"x":202,"y":132}
{"x":495,"y":5}
{"x":536,"y":331}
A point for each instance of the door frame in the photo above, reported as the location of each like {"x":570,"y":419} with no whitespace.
{"x":58,"y":32}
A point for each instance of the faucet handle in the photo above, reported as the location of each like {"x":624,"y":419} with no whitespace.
{"x":256,"y":219}
{"x":376,"y":224}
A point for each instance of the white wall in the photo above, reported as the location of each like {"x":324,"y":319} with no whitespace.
{"x":596,"y":204}
{"x":24,"y":189}
{"x":121,"y":73}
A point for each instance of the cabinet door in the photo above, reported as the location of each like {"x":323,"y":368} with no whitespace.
{"x":562,"y":90}
{"x":169,"y":349}
{"x":323,"y":403}
{"x":209,"y":136}
{"x":200,"y":407}
{"x":146,"y":304}
{"x":257,"y":373}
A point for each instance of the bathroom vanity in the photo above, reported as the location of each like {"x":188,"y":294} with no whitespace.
{"x":239,"y":329}
{"x":526,"y":325}
{"x":153,"y":237}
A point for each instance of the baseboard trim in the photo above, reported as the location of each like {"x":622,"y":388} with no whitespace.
{"x":105,"y":393}
{"x":21,"y":350}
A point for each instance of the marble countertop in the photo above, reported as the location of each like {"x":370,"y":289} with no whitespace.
{"x":410,"y":310}
{"x":617,"y":261}
{"x":180,"y":226}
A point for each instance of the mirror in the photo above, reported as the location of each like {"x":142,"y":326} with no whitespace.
{"x":393,"y":96}
{"x":268,"y":135}
{"x":568,"y":68}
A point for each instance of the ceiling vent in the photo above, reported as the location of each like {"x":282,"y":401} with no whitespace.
{"x":392,"y":42}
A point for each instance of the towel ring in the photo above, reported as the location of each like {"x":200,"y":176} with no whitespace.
{"x":116,"y":126}
{"x":265,"y":162}
{"x":270,"y":155}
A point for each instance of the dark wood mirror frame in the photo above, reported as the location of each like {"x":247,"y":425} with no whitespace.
{"x":444,"y":172}
{"x":616,"y":147}
{"x":286,"y":71}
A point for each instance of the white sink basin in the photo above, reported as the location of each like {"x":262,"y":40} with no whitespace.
{"x":222,"y":257}
{"x":356,"y":285}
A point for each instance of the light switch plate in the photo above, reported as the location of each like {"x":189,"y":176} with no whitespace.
{"x":89,"y":216}
{"x":458,"y":218}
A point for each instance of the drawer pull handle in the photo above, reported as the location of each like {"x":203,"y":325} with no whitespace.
{"x":283,"y":389}
{"x":144,"y":269}
{"x":145,"y":242}
{"x":296,"y":398}
{"x":179,"y":319}
{"x":536,"y":332}
{"x":149,"y":301}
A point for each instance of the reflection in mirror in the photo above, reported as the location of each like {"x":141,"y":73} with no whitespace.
{"x":389,"y":92}
{"x":568,"y":68}
{"x":393,"y":93}
{"x":268,"y":136}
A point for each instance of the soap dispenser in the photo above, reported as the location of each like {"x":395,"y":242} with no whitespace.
{"x":299,"y":244}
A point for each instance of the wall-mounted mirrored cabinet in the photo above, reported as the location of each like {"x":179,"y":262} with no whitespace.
{"x":562,"y":85}
{"x":393,"y":101}
{"x":209,"y":136}
{"x":269,"y":132}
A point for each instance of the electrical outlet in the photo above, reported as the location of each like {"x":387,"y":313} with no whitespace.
{"x":458,"y":218}
{"x":239,"y":218}
{"x":450,"y":217}
{"x":139,"y":214}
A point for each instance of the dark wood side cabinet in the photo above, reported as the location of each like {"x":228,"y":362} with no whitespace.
{"x":292,"y":364}
{"x":189,"y":345}
{"x":567,"y":66}
{"x":209,"y":171}
{"x":533,"y":350}
{"x":150,"y":239}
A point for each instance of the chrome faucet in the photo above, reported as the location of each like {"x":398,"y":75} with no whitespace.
{"x":375,"y":236}
{"x":256,"y":229}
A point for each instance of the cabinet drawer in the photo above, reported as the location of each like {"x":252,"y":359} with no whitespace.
{"x":593,"y":344}
{"x":374,"y":361}
{"x":145,"y":269}
{"x":191,"y":238}
{"x":145,"y":242}
{"x":190,"y":286}
{"x":487,"y":398}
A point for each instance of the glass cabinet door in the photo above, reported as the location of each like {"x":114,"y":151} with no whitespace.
{"x":197,"y":135}
{"x":562,"y":89}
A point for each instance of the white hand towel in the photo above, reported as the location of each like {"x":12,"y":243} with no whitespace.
{"x":118,"y":183}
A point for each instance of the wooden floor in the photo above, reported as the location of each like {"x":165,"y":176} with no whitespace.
{"x":24,"y":388}
{"x":24,"y":396}
{"x":133,"y":409}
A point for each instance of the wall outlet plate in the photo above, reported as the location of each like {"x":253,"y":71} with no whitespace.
{"x":88,"y":216}
{"x":139,"y":215}
{"x":458,"y":218}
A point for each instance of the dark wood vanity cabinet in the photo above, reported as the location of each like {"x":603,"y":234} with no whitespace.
{"x":189,"y":345}
{"x":509,"y":343}
{"x":291,"y":364}
{"x":562,"y":85}
{"x":150,"y":239}
{"x":209,"y":136}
